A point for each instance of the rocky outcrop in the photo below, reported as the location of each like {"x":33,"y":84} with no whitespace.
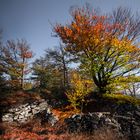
{"x":126,"y":121}
{"x":91,"y":121}
{"x":26,"y":112}
{"x":128,"y":116}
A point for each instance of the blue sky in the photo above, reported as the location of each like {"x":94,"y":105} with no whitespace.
{"x":32,"y":19}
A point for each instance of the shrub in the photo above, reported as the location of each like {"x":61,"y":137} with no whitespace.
{"x":80,"y":89}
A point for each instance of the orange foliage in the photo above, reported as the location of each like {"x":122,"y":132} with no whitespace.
{"x":107,"y":43}
{"x":89,"y":32}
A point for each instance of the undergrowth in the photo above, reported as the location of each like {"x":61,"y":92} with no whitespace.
{"x":120,"y":98}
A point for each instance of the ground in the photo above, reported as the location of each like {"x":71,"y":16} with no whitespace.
{"x":36,"y":129}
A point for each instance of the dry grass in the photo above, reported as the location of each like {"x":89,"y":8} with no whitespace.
{"x":18,"y":97}
{"x":103,"y":134}
{"x":35,"y":131}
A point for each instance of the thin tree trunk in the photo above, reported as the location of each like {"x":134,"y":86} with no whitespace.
{"x":22,"y":74}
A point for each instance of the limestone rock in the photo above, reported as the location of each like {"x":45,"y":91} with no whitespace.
{"x":26,"y":111}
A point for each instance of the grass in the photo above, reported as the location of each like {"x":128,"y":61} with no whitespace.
{"x":120,"y":98}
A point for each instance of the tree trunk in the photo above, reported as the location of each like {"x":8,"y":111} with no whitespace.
{"x":22,"y":73}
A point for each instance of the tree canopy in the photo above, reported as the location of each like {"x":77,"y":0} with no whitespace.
{"x":107,"y":44}
{"x":14,"y":62}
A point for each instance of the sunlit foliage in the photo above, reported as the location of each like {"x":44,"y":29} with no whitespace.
{"x":106,"y":42}
{"x":80,"y":89}
{"x":121,"y":99}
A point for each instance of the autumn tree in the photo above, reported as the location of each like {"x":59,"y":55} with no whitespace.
{"x":106,"y":44}
{"x":14,"y":62}
{"x":133,"y":89}
{"x":54,"y":65}
{"x":131,"y":85}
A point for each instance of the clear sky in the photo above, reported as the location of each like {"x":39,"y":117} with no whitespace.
{"x":32,"y":19}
